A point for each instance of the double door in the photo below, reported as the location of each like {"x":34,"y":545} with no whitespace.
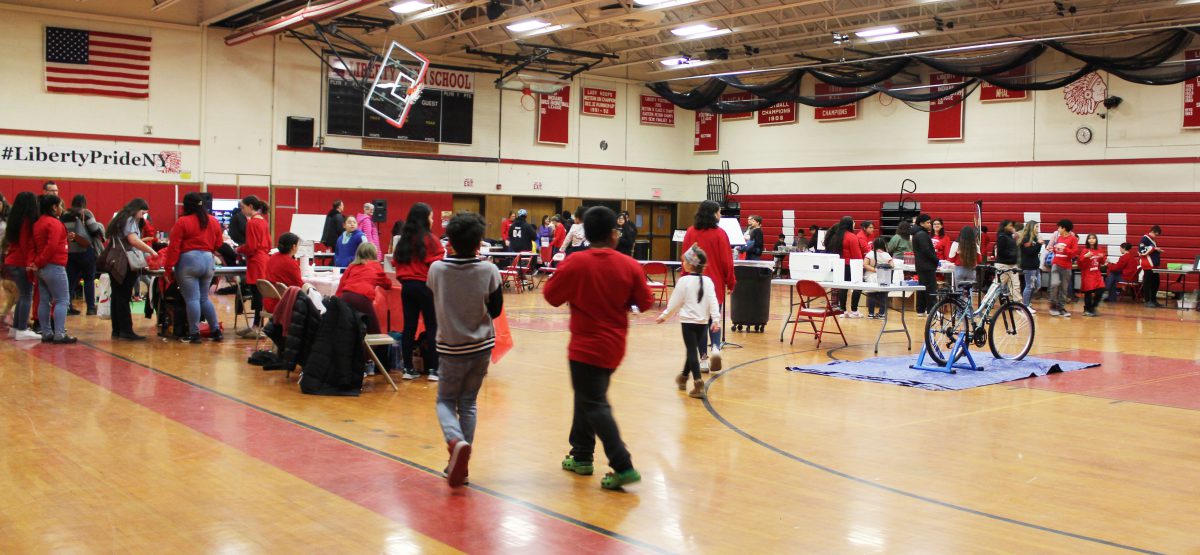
{"x":656,"y":223}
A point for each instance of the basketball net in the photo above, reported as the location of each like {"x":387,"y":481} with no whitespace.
{"x":528,"y":101}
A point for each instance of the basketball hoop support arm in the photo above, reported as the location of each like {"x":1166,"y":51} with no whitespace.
{"x":541,"y":55}
{"x":356,"y":49}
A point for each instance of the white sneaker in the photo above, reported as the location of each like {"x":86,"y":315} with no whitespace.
{"x":1032,"y":310}
{"x":12,"y":333}
{"x":704,"y":365}
{"x":27,"y":335}
{"x":854,"y":314}
{"x":635,"y":309}
{"x":433,"y":375}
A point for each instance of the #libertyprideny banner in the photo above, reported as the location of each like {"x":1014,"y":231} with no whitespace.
{"x":61,"y":160}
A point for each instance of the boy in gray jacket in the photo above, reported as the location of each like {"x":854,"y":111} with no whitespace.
{"x":467,"y":294}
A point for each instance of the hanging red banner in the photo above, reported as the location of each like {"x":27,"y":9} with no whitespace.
{"x":554,"y":117}
{"x":946,"y":113}
{"x":992,"y":93}
{"x":657,"y":110}
{"x":740,"y":97}
{"x":784,"y":112}
{"x":707,"y":126}
{"x":1191,"y":93}
{"x":599,"y":102}
{"x":837,"y":113}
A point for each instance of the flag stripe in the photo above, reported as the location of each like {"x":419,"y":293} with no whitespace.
{"x":94,"y":52}
{"x":97,"y":82}
{"x":98,"y":92}
{"x":120,"y":36}
{"x":104,"y":87}
{"x":73,"y":71}
{"x":115,"y":64}
{"x":121,"y":45}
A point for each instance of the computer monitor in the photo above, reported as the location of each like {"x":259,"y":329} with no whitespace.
{"x":223,"y":209}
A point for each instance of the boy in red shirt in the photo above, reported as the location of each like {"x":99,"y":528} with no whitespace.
{"x":1065,"y":248}
{"x":600,"y":284}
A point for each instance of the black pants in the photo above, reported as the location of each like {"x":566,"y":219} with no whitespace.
{"x":854,"y":300}
{"x":1091,"y":299}
{"x":593,"y":417}
{"x":1150,"y":286}
{"x":256,"y":303}
{"x":122,"y":295}
{"x":841,"y":293}
{"x":417,"y":300}
{"x":877,"y":303}
{"x":694,"y":340}
{"x":928,"y":278}
{"x":82,"y":265}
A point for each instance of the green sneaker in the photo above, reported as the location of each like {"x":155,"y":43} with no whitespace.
{"x":579,"y":467}
{"x":614,"y":480}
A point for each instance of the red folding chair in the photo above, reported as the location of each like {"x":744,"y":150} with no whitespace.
{"x":810,"y":311}
{"x":549,"y":266}
{"x":656,"y":279}
{"x":512,"y":274}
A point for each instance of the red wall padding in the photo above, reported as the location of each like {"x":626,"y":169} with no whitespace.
{"x":1175,"y":212}
{"x":106,"y":197}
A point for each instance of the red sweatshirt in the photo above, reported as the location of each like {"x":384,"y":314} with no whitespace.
{"x":282,"y":268}
{"x":418,"y":270}
{"x":19,"y":254}
{"x":851,"y":247}
{"x":49,"y":242}
{"x":256,"y":247}
{"x":715,"y":243}
{"x":186,"y":236}
{"x":1070,"y":248}
{"x":864,"y":241}
{"x":1128,"y":265}
{"x":941,"y":246}
{"x":600,"y":285}
{"x":560,"y":234}
{"x":363,"y":279}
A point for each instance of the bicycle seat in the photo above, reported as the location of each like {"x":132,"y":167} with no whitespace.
{"x":965,"y":285}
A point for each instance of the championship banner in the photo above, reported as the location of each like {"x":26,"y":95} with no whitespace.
{"x":946,"y":113}
{"x":554,"y":117}
{"x":707,"y":127}
{"x":657,"y":110}
{"x":43,"y":159}
{"x":784,"y":112}
{"x":599,"y":102}
{"x":992,"y":93}
{"x":835,"y":113}
{"x":737,"y":97}
{"x":1191,"y":93}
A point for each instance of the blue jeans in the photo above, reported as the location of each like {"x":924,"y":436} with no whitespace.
{"x":194,"y":273}
{"x":24,"y":304}
{"x":1110,"y":285}
{"x":461,"y":379}
{"x":52,"y":284}
{"x":1033,"y":282}
{"x":714,"y":336}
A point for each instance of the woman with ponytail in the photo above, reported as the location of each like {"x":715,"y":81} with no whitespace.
{"x":415,"y":251}
{"x":255,"y":249}
{"x":195,"y":238}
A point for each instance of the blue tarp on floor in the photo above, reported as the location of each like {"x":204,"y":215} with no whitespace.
{"x":897,"y":371}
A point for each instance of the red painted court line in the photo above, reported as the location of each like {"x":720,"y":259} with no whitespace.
{"x":466,"y":520}
{"x":1169,"y":382}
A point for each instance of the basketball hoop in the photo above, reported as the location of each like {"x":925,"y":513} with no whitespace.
{"x":398,"y":84}
{"x":528,"y":102}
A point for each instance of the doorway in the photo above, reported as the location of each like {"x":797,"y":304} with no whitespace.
{"x":468,"y":203}
{"x":537,"y":207}
{"x":656,"y":223}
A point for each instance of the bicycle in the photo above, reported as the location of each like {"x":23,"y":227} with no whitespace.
{"x":1009,"y":329}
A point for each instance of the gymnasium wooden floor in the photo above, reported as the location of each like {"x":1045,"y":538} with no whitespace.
{"x":171,"y":448}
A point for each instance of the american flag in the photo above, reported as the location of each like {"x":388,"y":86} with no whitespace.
{"x":92,"y":62}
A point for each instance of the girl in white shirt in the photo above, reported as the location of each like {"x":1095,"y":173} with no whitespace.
{"x":574,"y":240}
{"x":695,"y":297}
{"x":878,"y":255}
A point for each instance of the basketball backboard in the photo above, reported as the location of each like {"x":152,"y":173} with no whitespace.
{"x":398,"y":84}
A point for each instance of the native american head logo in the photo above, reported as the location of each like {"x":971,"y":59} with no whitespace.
{"x":1086,"y":94}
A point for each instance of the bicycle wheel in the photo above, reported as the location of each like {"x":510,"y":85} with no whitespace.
{"x":1011,"y":332}
{"x":947,"y":319}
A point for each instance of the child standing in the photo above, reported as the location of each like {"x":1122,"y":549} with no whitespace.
{"x":695,"y":297}
{"x":466,"y":295}
{"x":1090,"y":280}
{"x":599,"y":283}
{"x":876,"y":302}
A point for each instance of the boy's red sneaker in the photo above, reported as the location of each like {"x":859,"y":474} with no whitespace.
{"x":460,"y":454}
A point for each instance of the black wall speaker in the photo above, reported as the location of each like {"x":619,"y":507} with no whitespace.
{"x":299,"y":132}
{"x":380,"y":214}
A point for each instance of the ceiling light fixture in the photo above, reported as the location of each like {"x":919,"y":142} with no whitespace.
{"x":868,"y":33}
{"x":527,"y":25}
{"x":896,"y":36}
{"x":840,"y":38}
{"x":545,"y":30}
{"x":411,"y":6}
{"x":690,"y":30}
{"x":684,"y":61}
{"x":660,"y":4}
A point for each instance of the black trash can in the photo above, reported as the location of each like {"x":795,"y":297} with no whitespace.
{"x":751,"y":299}
{"x":641,"y":249}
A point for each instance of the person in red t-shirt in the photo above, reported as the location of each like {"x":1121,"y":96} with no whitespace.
{"x":715,"y":242}
{"x":505,"y":224}
{"x":255,"y":249}
{"x":941,"y":241}
{"x":415,"y":251}
{"x":190,"y":260}
{"x":1065,"y":247}
{"x":1090,"y":281}
{"x":559,"y":234}
{"x":49,"y":261}
{"x":358,"y":284}
{"x":601,"y":285}
{"x":282,"y":267}
{"x":18,"y":240}
{"x":1124,"y":269}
